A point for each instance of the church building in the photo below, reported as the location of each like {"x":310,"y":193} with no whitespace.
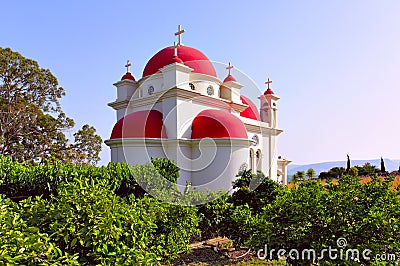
{"x":179,"y":109}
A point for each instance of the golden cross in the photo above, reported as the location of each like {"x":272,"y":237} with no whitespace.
{"x":128,"y":66}
{"x":179,"y":34}
{"x":229,"y":67}
{"x":268,"y":82}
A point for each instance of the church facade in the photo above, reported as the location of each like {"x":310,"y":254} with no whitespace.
{"x":179,"y":109}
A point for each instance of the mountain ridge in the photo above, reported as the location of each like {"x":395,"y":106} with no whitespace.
{"x":390,"y":165}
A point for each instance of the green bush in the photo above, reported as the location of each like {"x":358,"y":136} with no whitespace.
{"x":233,"y":215}
{"x":23,"y":244}
{"x":88,"y":219}
{"x":315,"y":216}
{"x":113,"y":215}
{"x":167,"y":168}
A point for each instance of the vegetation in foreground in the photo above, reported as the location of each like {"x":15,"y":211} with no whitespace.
{"x":62,"y":214}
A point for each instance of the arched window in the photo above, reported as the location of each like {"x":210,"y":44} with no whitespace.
{"x":251,"y":161}
{"x":258,"y":160}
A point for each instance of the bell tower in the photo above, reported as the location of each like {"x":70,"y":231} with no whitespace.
{"x":269,"y":106}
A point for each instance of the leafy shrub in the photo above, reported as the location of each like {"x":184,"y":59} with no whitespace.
{"x":315,"y":216}
{"x":88,"y":219}
{"x":167,"y":168}
{"x":256,"y":190}
{"x":214,"y":216}
{"x":233,"y":215}
{"x":175,"y":226}
{"x":22,"y":244}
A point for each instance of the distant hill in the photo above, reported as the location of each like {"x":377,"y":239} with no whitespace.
{"x":390,"y":165}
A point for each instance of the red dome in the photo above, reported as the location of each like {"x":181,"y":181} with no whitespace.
{"x":217,"y":124}
{"x":128,"y":76}
{"x":176,"y":59}
{"x":191,"y":57}
{"x":229,"y":78}
{"x":142,"y":124}
{"x":251,"y":111}
{"x":268,"y":92}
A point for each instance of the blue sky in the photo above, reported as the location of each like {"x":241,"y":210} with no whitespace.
{"x":335,"y":64}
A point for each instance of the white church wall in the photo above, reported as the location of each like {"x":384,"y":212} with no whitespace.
{"x":216,"y":168}
{"x":202,"y":87}
{"x":154,"y":81}
{"x":135,"y":151}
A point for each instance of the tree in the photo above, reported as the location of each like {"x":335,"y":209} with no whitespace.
{"x":383,"y":170}
{"x":324,"y":175}
{"x":337,"y":172}
{"x":353,"y":171}
{"x":310,"y":173}
{"x":295,"y":178}
{"x":31,"y":119}
{"x":348,"y":164}
{"x":367,"y":169}
{"x":300,"y":175}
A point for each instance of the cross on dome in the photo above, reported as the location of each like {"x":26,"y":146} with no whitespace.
{"x":268,"y":82}
{"x":229,"y":77}
{"x":268,"y":91}
{"x":229,"y":67}
{"x":179,"y":34}
{"x":128,"y":66}
{"x":175,"y":50}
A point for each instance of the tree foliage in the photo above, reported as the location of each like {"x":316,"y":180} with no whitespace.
{"x":367,"y":169}
{"x":310,"y":173}
{"x":353,"y":171}
{"x":32,"y":123}
{"x":92,"y":215}
{"x":348,"y":164}
{"x":383,"y":169}
{"x":335,"y":172}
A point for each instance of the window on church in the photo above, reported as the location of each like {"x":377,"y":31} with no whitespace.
{"x":192,"y":87}
{"x":251,"y":161}
{"x":210,"y":90}
{"x":258,"y":160}
{"x":150,"y":90}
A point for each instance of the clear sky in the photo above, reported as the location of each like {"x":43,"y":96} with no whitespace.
{"x":335,"y":64}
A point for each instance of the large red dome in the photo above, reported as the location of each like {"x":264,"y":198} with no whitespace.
{"x":217,"y":124}
{"x":251,"y":111}
{"x":191,"y":57}
{"x":142,"y":124}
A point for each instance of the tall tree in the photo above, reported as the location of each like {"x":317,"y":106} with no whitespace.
{"x":383,"y":170}
{"x":348,"y":164}
{"x":300,"y":175}
{"x":310,"y":173}
{"x":337,"y":172}
{"x":31,"y":119}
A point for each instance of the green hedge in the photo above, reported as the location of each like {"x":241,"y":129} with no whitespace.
{"x":99,"y":215}
{"x":61,"y":214}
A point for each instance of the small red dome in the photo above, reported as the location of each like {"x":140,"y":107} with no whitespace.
{"x":191,"y":57}
{"x":142,"y":124}
{"x":128,"y":75}
{"x":229,"y":78}
{"x":176,"y":59}
{"x":251,"y":111}
{"x":268,"y":92}
{"x":217,"y":124}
